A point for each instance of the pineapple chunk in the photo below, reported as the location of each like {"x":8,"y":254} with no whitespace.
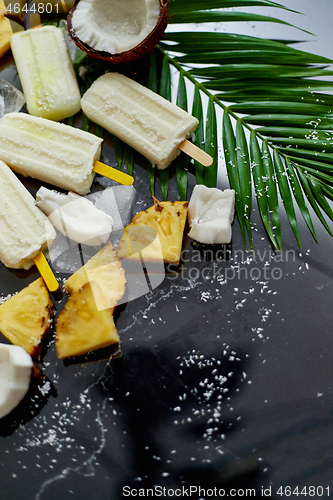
{"x":106,"y":276}
{"x":6,"y":31}
{"x":210,"y":214}
{"x":162,"y":240}
{"x":81,"y":327}
{"x":26,"y":317}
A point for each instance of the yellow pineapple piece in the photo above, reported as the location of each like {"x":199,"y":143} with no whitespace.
{"x":6,"y":31}
{"x":162,"y":238}
{"x":26,"y":317}
{"x":81,"y":327}
{"x":106,"y":276}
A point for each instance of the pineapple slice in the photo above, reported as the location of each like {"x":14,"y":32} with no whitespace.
{"x":26,"y":317}
{"x":162,"y":239}
{"x":6,"y":31}
{"x":81,"y":327}
{"x":106,"y":276}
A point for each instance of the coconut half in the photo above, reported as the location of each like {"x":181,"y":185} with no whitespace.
{"x":117,"y":31}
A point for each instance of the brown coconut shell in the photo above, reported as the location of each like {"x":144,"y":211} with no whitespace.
{"x":143,"y":48}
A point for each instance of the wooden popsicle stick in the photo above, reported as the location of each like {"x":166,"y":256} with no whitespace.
{"x":113,"y":173}
{"x":196,"y":153}
{"x":46,"y":272}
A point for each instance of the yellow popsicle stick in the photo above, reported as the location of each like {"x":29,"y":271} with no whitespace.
{"x":46,"y":272}
{"x":196,"y":153}
{"x":113,"y":173}
{"x":64,"y":6}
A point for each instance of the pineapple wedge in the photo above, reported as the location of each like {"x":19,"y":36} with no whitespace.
{"x":106,"y":276}
{"x":81,"y":327}
{"x":162,"y":239}
{"x":6,"y":31}
{"x":26,"y":317}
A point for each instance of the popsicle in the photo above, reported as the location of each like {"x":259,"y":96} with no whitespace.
{"x":153,"y":126}
{"x":46,"y":72}
{"x":24,"y":230}
{"x":53,"y":152}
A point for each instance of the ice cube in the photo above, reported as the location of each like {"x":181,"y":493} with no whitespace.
{"x":11,"y":99}
{"x":70,"y":44}
{"x":116,"y":201}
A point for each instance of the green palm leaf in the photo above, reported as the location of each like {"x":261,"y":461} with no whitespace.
{"x":269,"y":179}
{"x":199,"y":138}
{"x":229,"y":145}
{"x":244,"y":174}
{"x":317,"y":201}
{"x":210,"y":173}
{"x":165,"y":91}
{"x":215,"y":4}
{"x":280,"y":118}
{"x":285,"y":191}
{"x":258,"y":173}
{"x":298,"y":194}
{"x":183,"y":160}
{"x":214,"y":16}
{"x":248,"y":70}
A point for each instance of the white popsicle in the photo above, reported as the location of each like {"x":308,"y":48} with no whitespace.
{"x":49,"y":151}
{"x":24,"y":229}
{"x":153,"y":126}
{"x":46,"y":72}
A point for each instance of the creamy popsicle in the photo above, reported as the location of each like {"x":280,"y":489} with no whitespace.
{"x":46,"y":72}
{"x":146,"y":121}
{"x":49,"y":151}
{"x":24,"y":229}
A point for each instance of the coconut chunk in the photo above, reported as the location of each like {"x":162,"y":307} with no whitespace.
{"x":117,"y":31}
{"x":15,"y":374}
{"x":211,"y":213}
{"x":114,"y":26}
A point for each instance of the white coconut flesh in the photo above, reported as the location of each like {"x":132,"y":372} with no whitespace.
{"x":211,"y":213}
{"x":114,"y":26}
{"x":15,"y":374}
